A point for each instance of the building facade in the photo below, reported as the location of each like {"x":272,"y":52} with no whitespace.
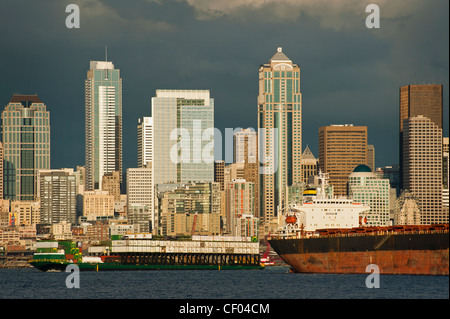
{"x":279,"y":134}
{"x":422,"y":167}
{"x":26,"y":145}
{"x":183,"y":134}
{"x":240,"y":200}
{"x":424,"y":99}
{"x":191,"y":209}
{"x":367,"y":188}
{"x":97,"y":205}
{"x":341,"y":149}
{"x":140,"y":197}
{"x":57,"y":191}
{"x":145,"y":141}
{"x":103,"y":120}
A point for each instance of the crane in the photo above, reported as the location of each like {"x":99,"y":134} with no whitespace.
{"x":194,"y":223}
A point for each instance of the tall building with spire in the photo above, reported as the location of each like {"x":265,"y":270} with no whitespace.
{"x":26,"y":145}
{"x":280,"y":134}
{"x":103,"y":113}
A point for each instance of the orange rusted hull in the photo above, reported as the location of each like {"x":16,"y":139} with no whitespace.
{"x":412,"y":262}
{"x":418,"y":250}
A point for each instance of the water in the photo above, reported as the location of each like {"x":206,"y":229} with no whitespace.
{"x":271,"y":283}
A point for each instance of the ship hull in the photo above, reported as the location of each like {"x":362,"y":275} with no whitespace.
{"x":50,"y":266}
{"x":418,"y":254}
{"x":156,"y":261}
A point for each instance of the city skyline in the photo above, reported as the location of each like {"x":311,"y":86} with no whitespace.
{"x":333,"y":92}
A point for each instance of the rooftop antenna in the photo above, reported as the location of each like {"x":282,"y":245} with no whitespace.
{"x":106,"y":60}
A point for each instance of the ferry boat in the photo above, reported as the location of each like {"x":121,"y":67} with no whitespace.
{"x":143,"y":252}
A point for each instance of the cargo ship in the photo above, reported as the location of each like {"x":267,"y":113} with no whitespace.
{"x":143,"y":252}
{"x":330,"y":235}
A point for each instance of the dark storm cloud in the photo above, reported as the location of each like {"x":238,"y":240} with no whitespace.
{"x":350,"y":74}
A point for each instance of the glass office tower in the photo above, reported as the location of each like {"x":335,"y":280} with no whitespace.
{"x":183,"y":136}
{"x":26,"y":144}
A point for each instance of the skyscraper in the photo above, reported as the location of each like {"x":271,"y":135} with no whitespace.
{"x":280,"y":133}
{"x":341,"y":149}
{"x":422,"y":167}
{"x":57,"y":190}
{"x":145,"y":140}
{"x":103,"y":101}
{"x":426,"y":100}
{"x":26,"y":145}
{"x":183,"y":134}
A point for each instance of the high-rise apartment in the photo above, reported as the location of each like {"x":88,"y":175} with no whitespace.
{"x":240,"y":200}
{"x":191,"y":209}
{"x":183,"y":134}
{"x":445,"y":172}
{"x":422,"y":167}
{"x":280,"y":134}
{"x":246,"y":151}
{"x":424,"y":99}
{"x":57,"y":190}
{"x":245,"y":146}
{"x":103,"y":120}
{"x":341,"y":149}
{"x":145,"y":140}
{"x":140,"y":198}
{"x":26,"y":145}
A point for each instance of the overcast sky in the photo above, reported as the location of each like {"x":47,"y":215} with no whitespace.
{"x":349,"y":73}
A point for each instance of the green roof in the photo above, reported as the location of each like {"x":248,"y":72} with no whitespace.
{"x":362,"y":169}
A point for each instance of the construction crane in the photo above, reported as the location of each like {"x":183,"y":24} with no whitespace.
{"x":194,"y":223}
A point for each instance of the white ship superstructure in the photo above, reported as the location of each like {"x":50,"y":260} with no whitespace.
{"x":319,"y":211}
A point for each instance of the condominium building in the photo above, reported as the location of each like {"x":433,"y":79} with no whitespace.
{"x":191,"y":209}
{"x":240,"y":200}
{"x":26,"y":145}
{"x":97,"y":205}
{"x":57,"y":191}
{"x":140,"y":197}
{"x":111,"y":184}
{"x":103,"y":120}
{"x":183,"y":134}
{"x":422,"y":167}
{"x":246,"y":151}
{"x":27,"y":213}
{"x":280,"y":134}
{"x":245,"y":146}
{"x":423,"y":99}
{"x":367,"y":188}
{"x":145,"y":141}
{"x":219,"y":170}
{"x":341,"y":149}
